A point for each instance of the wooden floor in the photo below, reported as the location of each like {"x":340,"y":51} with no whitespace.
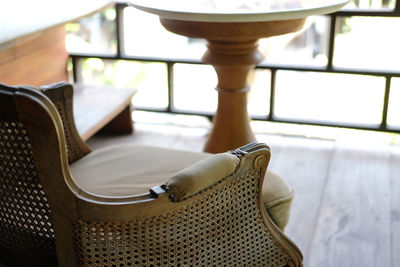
{"x":346,"y":210}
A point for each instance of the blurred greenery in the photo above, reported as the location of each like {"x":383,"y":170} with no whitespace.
{"x":73,"y":27}
{"x":110,"y":14}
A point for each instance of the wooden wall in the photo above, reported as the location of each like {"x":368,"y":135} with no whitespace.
{"x":37,"y":60}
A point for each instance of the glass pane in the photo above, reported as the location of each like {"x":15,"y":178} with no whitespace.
{"x":96,"y":34}
{"x":370,"y":4}
{"x":259,"y":95}
{"x":194,"y":88}
{"x":329,"y":97}
{"x":155,"y":41}
{"x":394,"y":104}
{"x":368,"y":43}
{"x":306,"y":47}
{"x":149,"y":78}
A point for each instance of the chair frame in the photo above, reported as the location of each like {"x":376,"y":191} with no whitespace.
{"x":70,"y":205}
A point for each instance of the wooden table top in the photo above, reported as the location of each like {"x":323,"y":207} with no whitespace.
{"x":237,"y":10}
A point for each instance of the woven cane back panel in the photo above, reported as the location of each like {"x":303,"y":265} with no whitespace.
{"x":223,"y":228}
{"x":26,"y":231}
{"x":71,"y":149}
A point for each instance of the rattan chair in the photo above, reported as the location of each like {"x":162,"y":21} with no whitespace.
{"x":55,"y":212}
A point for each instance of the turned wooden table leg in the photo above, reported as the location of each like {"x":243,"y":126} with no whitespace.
{"x":232,"y":62}
{"x":232,"y":51}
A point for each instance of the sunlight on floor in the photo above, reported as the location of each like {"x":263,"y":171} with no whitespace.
{"x":361,"y":137}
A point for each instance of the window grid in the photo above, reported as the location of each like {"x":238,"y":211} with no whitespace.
{"x":329,"y":68}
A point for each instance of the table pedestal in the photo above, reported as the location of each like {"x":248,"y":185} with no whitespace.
{"x":232,"y":51}
{"x":232,"y":63}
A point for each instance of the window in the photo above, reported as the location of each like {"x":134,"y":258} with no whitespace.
{"x":340,"y":70}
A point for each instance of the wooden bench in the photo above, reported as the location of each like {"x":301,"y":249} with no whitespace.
{"x":102,"y":108}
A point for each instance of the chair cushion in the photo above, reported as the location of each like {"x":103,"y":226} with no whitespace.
{"x":126,"y":170}
{"x":277,"y":196}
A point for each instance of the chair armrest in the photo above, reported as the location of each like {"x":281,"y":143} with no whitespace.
{"x":201,"y":175}
{"x":227,"y":213}
{"x":208,"y":172}
{"x":61,"y":94}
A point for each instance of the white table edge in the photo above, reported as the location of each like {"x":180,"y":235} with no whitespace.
{"x":241,"y":17}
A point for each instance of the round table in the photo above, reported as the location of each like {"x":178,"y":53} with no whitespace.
{"x":232,"y":29}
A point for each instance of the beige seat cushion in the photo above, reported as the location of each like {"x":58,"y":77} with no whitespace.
{"x":277,"y":196}
{"x":126,"y":170}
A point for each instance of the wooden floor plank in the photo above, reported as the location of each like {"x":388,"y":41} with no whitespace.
{"x":395,"y":204}
{"x":346,"y":211}
{"x":354,"y":220}
{"x":304,"y":165}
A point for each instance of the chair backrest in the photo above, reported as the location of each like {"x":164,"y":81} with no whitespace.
{"x":29,"y":122}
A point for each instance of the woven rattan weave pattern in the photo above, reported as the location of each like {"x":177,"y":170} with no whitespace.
{"x":189,"y":236}
{"x":71,"y":149}
{"x":26,"y":232}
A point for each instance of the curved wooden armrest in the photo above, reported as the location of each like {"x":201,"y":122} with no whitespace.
{"x":188,"y":183}
{"x":61,"y":94}
{"x":206,"y":173}
{"x":201,"y":175}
